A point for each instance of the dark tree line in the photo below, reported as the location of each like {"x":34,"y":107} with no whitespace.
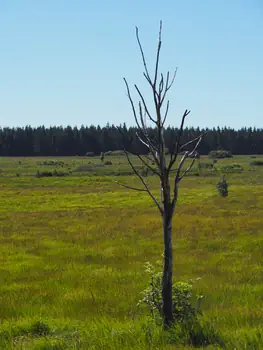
{"x":71,"y":141}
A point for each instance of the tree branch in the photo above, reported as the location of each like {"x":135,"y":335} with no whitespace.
{"x":132,"y":104}
{"x":130,"y":187}
{"x":144,"y":104}
{"x":146,"y":74}
{"x":143,"y":182}
{"x":145,"y":163}
{"x":158,"y":55}
{"x":200,"y":137}
{"x":166,"y":113}
{"x":167,"y":85}
{"x":186,"y":170}
{"x":176,"y":146}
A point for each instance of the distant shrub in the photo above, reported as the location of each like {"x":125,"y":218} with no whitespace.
{"x":253,"y":157}
{"x":220,"y":154}
{"x":231,"y":168}
{"x":52,"y":173}
{"x":108,"y":153}
{"x":114,"y":153}
{"x":108,"y":162}
{"x":102,"y":156}
{"x":52,"y":163}
{"x":206,"y":165}
{"x":90,"y":154}
{"x":88,"y":167}
{"x":44,"y":173}
{"x":257,"y":163}
{"x":61,"y":173}
{"x":222,"y":187}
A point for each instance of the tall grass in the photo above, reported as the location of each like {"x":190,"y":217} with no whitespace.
{"x":73,"y":251}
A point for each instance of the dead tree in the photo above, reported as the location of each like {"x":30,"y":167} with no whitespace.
{"x":169,"y":171}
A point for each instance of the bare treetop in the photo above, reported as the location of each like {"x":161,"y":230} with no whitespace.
{"x":156,"y":147}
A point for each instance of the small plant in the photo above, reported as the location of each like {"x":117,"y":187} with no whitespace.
{"x":187,"y":328}
{"x":183,"y":311}
{"x":222,"y":187}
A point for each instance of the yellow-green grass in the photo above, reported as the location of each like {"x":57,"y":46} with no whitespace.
{"x":73,"y":251}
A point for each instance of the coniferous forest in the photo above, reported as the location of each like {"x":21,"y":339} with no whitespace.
{"x":71,"y":141}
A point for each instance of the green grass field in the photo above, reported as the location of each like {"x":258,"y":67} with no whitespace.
{"x":73,"y":250}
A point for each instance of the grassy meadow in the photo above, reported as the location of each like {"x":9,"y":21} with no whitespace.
{"x":73,"y":250}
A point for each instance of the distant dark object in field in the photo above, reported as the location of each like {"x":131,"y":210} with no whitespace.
{"x":114,"y":153}
{"x":222,"y":187}
{"x":89,"y":154}
{"x":220,"y":154}
{"x":52,"y":173}
{"x":108,"y":162}
{"x":253,"y":157}
{"x":257,"y":163}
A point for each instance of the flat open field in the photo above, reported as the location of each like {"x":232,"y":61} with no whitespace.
{"x":73,"y":250}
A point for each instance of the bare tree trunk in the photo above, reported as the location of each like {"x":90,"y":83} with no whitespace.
{"x":167,"y":282}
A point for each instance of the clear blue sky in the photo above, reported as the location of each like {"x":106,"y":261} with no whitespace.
{"x":62,"y":61}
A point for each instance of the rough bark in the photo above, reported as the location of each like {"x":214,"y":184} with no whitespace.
{"x":167,"y":282}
